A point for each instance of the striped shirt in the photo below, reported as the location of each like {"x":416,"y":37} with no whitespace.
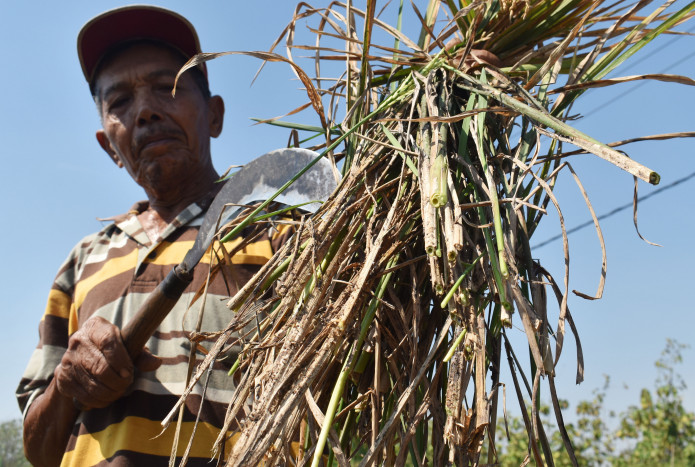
{"x":110,"y":274}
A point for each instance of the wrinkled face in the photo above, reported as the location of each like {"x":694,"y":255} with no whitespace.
{"x":163,"y":142}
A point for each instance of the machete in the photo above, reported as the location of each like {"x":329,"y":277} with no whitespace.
{"x":256,"y":181}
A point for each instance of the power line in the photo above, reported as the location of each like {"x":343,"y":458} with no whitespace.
{"x":636,"y":86}
{"x":642,"y":59}
{"x":620,"y":96}
{"x":617,"y":210}
{"x":658,"y":49}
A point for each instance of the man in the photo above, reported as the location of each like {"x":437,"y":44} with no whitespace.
{"x":130,"y":57}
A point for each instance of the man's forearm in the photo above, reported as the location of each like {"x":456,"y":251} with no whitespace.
{"x":47,"y":427}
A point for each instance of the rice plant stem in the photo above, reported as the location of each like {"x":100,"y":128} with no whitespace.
{"x":610,"y":61}
{"x":397,"y":42}
{"x":463,"y":152}
{"x":409,"y":162}
{"x":496,"y":217}
{"x":452,"y":350}
{"x":430,"y":17}
{"x":335,"y":130}
{"x":323,"y":266}
{"x":349,"y":364}
{"x":269,"y":215}
{"x":575,"y":136}
{"x":400,"y":93}
{"x":345,"y":434}
{"x":459,"y":281}
{"x":234,"y":367}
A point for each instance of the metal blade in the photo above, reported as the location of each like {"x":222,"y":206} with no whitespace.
{"x":257,"y":181}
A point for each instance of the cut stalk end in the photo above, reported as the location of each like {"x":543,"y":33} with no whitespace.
{"x":438,"y":199}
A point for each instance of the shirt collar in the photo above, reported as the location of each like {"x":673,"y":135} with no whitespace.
{"x":130,"y":224}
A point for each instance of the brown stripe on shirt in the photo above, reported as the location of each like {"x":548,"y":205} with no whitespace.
{"x":88,"y":280}
{"x":151,"y":407}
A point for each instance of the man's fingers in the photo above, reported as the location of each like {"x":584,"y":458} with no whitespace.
{"x":104,"y":356}
{"x":98,"y":372}
{"x":96,"y":369}
{"x":107,"y":338}
{"x":77,"y":383}
{"x":91,"y":374}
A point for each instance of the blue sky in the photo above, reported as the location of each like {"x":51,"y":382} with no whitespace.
{"x":57,"y":182}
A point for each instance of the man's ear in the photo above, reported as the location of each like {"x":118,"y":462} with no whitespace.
{"x":215,"y":115}
{"x":106,"y":146}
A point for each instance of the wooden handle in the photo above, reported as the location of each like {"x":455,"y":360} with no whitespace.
{"x":151,"y":314}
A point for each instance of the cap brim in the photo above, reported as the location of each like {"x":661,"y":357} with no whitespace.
{"x":135,"y":22}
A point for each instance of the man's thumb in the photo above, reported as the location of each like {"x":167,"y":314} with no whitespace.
{"x":147,"y":361}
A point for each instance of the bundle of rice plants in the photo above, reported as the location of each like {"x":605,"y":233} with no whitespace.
{"x":381,"y":328}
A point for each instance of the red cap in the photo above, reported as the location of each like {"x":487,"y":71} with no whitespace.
{"x":134,"y":22}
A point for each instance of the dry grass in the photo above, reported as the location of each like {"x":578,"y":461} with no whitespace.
{"x":385,"y":329}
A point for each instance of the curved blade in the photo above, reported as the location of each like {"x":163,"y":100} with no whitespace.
{"x":257,"y":181}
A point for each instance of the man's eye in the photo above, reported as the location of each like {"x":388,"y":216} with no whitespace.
{"x":164,"y":87}
{"x":117,"y":103}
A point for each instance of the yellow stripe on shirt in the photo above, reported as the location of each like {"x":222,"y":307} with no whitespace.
{"x":170,"y":254}
{"x":58,"y":304}
{"x":173,"y":253}
{"x":257,"y":253}
{"x":141,"y":435}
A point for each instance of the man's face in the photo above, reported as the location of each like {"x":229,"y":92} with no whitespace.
{"x":163,"y":142}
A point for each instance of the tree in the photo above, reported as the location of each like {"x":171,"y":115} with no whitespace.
{"x":591,"y":439}
{"x":660,"y":431}
{"x":663,"y":430}
{"x":590,"y":435}
{"x":11,"y":445}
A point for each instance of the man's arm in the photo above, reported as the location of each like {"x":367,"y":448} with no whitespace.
{"x":94,"y":372}
{"x":47,"y":427}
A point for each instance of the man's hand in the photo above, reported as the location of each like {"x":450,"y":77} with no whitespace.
{"x":96,"y":369}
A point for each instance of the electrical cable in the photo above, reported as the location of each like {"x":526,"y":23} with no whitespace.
{"x":620,"y":96}
{"x":637,"y":62}
{"x":616,"y":210}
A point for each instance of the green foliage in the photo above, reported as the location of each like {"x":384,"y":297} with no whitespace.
{"x":663,"y":430}
{"x":11,"y":446}
{"x":659,"y":431}
{"x":590,"y":436}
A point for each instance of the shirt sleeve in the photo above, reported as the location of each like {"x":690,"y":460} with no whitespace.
{"x":58,"y":322}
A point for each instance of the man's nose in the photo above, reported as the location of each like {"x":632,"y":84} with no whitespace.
{"x":147,"y":110}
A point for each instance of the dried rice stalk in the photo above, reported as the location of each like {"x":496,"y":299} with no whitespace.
{"x":389,"y":309}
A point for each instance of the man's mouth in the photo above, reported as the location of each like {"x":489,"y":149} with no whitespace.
{"x":155,"y":141}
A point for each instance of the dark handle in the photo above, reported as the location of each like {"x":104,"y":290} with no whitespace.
{"x":157,"y":306}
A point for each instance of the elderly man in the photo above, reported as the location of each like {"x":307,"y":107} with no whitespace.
{"x":130,"y":57}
